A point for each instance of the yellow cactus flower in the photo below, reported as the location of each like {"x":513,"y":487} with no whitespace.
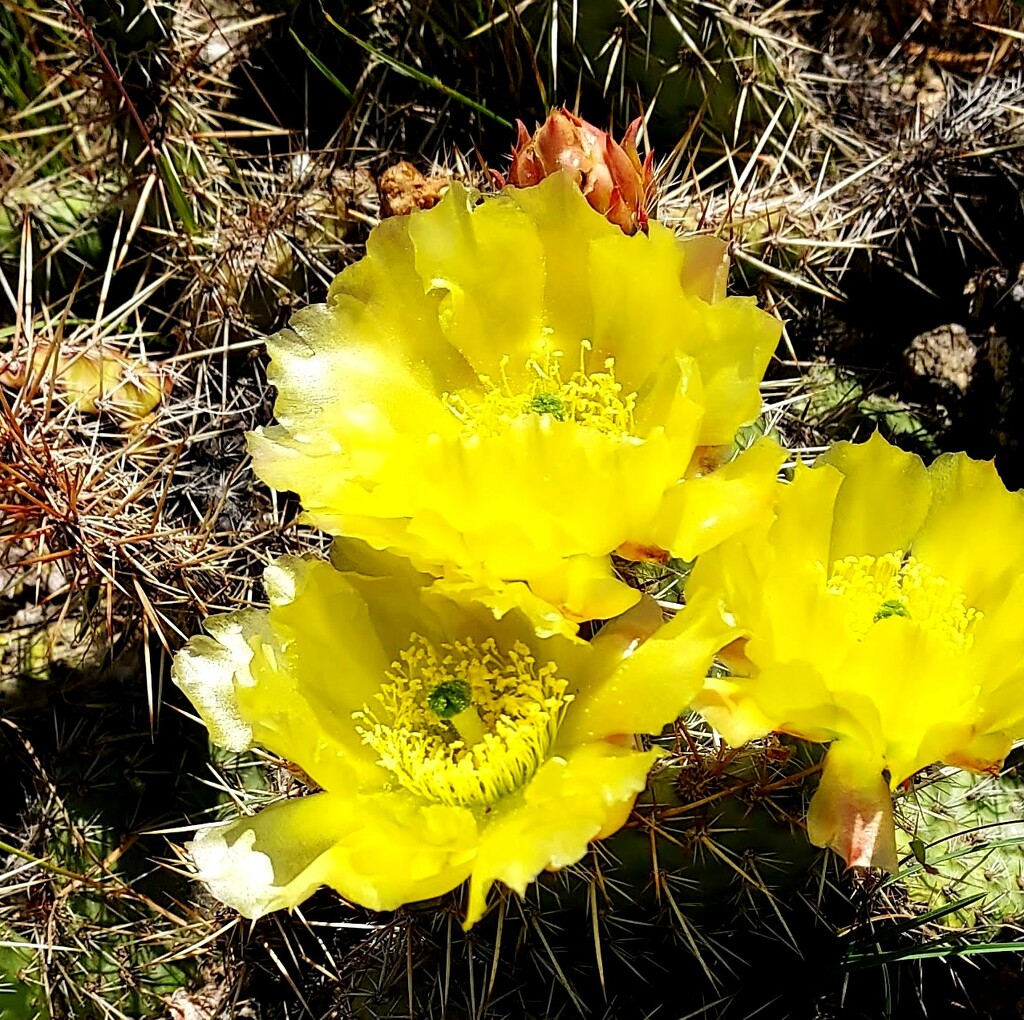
{"x":512,"y":389}
{"x":447,"y":744}
{"x":880,"y":610}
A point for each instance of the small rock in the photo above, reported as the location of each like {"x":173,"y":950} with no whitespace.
{"x":1017,"y":290}
{"x":207,"y":1003}
{"x":944,"y":355}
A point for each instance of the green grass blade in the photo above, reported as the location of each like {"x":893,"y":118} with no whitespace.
{"x":416,"y":75}
{"x":934,"y":950}
{"x":321,"y":66}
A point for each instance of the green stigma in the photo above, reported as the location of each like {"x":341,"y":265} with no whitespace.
{"x":547,"y":403}
{"x":891,"y":607}
{"x":450,"y":698}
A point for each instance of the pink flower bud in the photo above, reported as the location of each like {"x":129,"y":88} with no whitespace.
{"x":610,"y":174}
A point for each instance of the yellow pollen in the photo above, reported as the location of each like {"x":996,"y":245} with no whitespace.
{"x":876,"y":588}
{"x":464,"y":724}
{"x":594,"y":399}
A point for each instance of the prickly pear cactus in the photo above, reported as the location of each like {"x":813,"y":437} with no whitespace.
{"x":116,"y":960}
{"x":964,"y":837}
{"x":691,"y":57}
{"x":22,"y":993}
{"x":710,"y":887}
{"x":72,"y":216}
{"x":91,"y":927}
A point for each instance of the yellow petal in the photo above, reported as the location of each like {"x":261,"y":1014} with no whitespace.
{"x":791,"y":696}
{"x":584,"y":588}
{"x":333,"y":379}
{"x":252,"y":683}
{"x":671,"y":399}
{"x":966,"y":536}
{"x":705,"y":271}
{"x":621,"y":636}
{"x":207,"y":669}
{"x":381,"y":301}
{"x":1000,"y":714}
{"x":727,"y":704}
{"x":502,"y":597}
{"x":378,"y":851}
{"x":524,"y":505}
{"x":566,"y":227}
{"x":851,"y":811}
{"x":404,"y":405}
{"x":911,"y":684}
{"x":804,"y":514}
{"x":997,"y":647}
{"x":984,"y":753}
{"x":569,"y":802}
{"x":346,"y":414}
{"x":326,"y":631}
{"x":656,"y":680}
{"x":625,"y":274}
{"x":795,"y":697}
{"x":350,"y":555}
{"x":698,"y":513}
{"x":487,"y":265}
{"x":882,"y":501}
{"x":775,"y":577}
{"x":733,"y":341}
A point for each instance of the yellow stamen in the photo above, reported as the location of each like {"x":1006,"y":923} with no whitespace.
{"x":464,"y":723}
{"x":876,"y":588}
{"x":594,"y":399}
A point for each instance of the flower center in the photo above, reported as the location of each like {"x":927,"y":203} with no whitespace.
{"x":464,"y":723}
{"x":594,"y":399}
{"x":874,"y":588}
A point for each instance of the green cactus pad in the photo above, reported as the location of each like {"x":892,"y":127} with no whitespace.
{"x":964,"y":837}
{"x":711,"y":887}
